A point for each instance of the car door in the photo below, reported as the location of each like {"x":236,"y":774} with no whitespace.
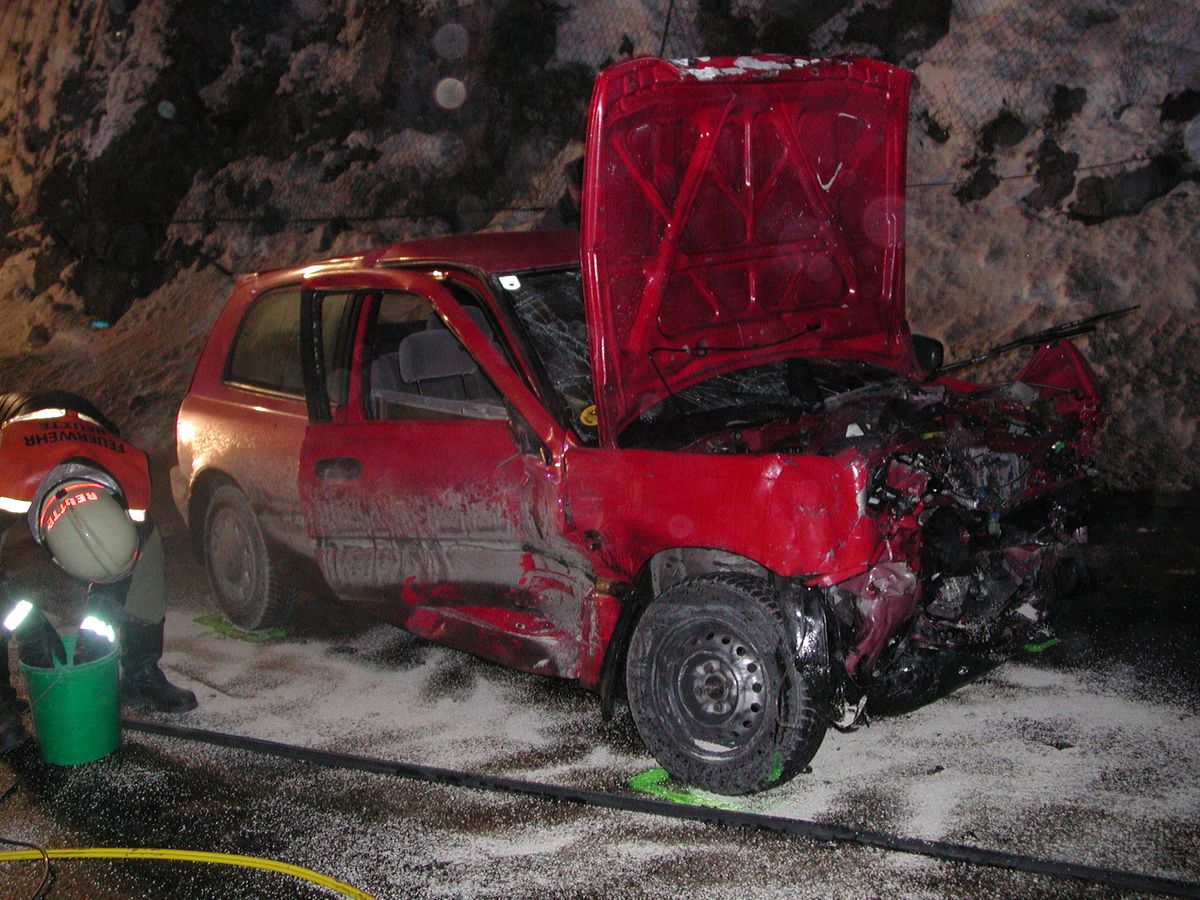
{"x":421,"y":504}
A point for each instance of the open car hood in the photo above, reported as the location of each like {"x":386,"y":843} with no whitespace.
{"x":738,"y":212}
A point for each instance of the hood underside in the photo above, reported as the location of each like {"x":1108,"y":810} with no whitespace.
{"x":738,"y":212}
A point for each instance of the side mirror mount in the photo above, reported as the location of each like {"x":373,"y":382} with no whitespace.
{"x":930,"y":352}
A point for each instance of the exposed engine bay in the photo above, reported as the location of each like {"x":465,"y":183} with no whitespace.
{"x":975,"y":489}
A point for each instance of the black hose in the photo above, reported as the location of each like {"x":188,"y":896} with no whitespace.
{"x":817,"y":831}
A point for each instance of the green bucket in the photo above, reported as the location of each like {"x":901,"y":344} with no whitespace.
{"x":76,"y":709}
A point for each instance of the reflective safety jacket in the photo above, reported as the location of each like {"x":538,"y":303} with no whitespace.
{"x":55,"y":441}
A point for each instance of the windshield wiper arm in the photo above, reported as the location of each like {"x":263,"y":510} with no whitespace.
{"x":1046,"y":336}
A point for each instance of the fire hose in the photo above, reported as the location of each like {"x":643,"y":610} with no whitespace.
{"x":729,"y":818}
{"x":193,"y":856}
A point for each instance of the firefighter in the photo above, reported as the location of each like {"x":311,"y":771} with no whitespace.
{"x":85,"y":494}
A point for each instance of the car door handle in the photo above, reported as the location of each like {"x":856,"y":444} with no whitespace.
{"x":338,"y":468}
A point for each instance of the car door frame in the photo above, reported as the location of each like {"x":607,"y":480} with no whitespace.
{"x":511,"y":385}
{"x":553,"y":570}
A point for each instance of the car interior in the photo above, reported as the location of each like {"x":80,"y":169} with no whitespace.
{"x":419,"y":369}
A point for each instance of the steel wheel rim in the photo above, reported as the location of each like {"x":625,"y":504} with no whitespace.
{"x":231,"y":554}
{"x":720,"y":690}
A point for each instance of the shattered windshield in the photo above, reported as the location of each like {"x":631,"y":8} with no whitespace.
{"x":550,"y":307}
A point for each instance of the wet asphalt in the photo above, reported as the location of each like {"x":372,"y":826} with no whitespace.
{"x":1140,"y":617}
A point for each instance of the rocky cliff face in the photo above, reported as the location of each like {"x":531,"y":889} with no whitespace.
{"x":153,"y":147}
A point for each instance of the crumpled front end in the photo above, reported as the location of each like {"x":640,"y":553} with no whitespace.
{"x":988,"y":569}
{"x":977,"y":492}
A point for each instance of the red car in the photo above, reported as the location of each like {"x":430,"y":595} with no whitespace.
{"x":692,"y":456}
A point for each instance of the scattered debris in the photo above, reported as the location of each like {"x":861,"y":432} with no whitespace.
{"x":657,"y":783}
{"x":222,"y":626}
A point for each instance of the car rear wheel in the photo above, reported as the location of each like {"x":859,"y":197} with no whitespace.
{"x":239,"y":570}
{"x":714,"y":688}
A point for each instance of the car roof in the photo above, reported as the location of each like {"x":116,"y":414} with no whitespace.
{"x":488,"y":251}
{"x":485,"y":252}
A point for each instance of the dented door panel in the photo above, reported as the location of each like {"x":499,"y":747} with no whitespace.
{"x":435,"y":518}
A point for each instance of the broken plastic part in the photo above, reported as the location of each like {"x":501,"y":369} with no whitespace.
{"x":1043,"y":646}
{"x":853,"y":715}
{"x":886,"y":598}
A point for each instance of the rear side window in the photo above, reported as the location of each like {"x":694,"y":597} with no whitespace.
{"x":337,"y":332}
{"x":266,"y":352}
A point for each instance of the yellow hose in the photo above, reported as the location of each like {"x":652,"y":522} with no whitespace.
{"x":200,"y":856}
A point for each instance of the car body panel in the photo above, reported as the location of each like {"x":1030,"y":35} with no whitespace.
{"x":441,"y":525}
{"x":740,"y":211}
{"x":488,"y":253}
{"x":247,"y":436}
{"x":796,"y":517}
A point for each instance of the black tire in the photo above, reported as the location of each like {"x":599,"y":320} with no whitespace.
{"x":714,"y":689}
{"x":239,"y":570}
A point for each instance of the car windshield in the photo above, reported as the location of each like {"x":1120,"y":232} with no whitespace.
{"x":550,"y":307}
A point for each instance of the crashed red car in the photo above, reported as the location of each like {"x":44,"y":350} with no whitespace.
{"x":692,"y":457}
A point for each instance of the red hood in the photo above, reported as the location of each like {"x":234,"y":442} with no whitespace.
{"x":737,"y":212}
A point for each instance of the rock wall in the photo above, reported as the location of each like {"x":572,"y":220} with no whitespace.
{"x":154,"y":147}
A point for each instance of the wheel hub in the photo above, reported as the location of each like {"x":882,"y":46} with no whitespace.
{"x":231,"y":556}
{"x":721,"y":687}
{"x":715,"y":687}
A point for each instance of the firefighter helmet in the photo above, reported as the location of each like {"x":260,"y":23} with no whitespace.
{"x":85,"y":528}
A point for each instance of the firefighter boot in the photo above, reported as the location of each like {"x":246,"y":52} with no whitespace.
{"x":12,"y":729}
{"x":143,"y":683}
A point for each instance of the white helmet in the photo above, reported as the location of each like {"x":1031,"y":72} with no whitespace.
{"x":84,"y":526}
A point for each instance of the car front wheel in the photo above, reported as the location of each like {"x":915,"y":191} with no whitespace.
{"x":239,"y":570}
{"x":714,"y":687}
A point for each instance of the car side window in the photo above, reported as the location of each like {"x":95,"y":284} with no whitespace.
{"x":416,"y":368}
{"x":266,"y":352}
{"x":337,"y":332}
